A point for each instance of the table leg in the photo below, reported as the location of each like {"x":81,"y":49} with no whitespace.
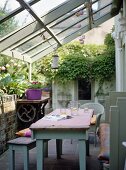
{"x":82,"y":154}
{"x":87,"y":148}
{"x":43,"y":107}
{"x":40,"y":154}
{"x":59,"y":148}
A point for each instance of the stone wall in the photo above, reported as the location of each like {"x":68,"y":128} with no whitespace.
{"x":8,"y":122}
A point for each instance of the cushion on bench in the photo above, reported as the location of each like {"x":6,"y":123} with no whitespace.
{"x":104,"y":137}
{"x":25,"y":132}
{"x":93,"y":120}
{"x":22,"y":141}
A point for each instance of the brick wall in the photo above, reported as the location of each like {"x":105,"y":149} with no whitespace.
{"x":8,"y":121}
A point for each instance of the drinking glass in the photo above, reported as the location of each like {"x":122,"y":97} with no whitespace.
{"x":74,"y":106}
{"x":63,"y":111}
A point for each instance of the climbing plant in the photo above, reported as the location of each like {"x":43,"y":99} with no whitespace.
{"x":90,"y":62}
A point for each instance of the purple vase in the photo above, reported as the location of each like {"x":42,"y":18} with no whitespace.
{"x":33,"y":94}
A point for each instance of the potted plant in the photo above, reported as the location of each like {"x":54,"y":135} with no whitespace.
{"x":34,"y":91}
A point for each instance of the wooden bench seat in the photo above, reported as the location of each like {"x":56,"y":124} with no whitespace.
{"x":23,"y":144}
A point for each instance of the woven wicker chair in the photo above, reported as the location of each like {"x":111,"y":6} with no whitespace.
{"x":98,"y":111}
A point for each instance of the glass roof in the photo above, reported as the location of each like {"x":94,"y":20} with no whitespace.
{"x":9,"y":5}
{"x":41,"y":26}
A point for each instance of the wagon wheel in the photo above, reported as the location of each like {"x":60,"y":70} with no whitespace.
{"x":26,"y":113}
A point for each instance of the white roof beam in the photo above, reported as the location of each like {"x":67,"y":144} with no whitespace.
{"x":31,"y":28}
{"x":18,"y":35}
{"x":43,"y":53}
{"x":16,"y":54}
{"x":71,"y":37}
{"x":85,"y":29}
{"x":51,"y":26}
{"x":28,"y":8}
{"x":27,"y":39}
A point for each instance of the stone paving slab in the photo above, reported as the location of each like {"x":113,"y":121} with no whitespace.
{"x":69,"y":160}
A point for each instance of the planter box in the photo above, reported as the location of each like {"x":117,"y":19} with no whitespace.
{"x":34,"y":94}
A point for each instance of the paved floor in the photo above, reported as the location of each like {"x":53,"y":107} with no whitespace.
{"x":69,"y":160}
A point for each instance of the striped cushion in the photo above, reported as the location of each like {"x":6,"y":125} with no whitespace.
{"x":25,"y":132}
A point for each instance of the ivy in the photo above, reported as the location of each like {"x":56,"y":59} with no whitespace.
{"x":103,"y":67}
{"x":74,"y":67}
{"x":90,"y":62}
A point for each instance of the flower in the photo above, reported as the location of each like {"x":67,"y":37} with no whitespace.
{"x":35,"y":85}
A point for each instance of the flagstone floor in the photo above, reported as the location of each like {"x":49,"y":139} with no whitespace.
{"x":69,"y":160}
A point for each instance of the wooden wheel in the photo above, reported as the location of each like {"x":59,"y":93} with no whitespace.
{"x":26,"y":113}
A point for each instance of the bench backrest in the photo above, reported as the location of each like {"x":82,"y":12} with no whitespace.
{"x":117,"y":134}
{"x":111,"y":100}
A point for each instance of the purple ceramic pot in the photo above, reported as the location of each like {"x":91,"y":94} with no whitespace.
{"x":33,"y":94}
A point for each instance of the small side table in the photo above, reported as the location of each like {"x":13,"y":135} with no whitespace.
{"x":27,"y":110}
{"x":124,"y":144}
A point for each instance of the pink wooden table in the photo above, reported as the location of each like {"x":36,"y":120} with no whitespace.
{"x":73,"y":128}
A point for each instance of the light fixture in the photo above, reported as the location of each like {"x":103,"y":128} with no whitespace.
{"x":55,"y":62}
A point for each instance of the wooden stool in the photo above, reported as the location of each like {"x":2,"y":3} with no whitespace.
{"x":23,"y":144}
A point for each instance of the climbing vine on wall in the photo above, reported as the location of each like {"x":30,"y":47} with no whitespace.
{"x":90,"y":62}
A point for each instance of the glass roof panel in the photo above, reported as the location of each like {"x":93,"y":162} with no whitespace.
{"x":34,"y":42}
{"x":105,"y":10}
{"x":21,"y":19}
{"x":24,"y":18}
{"x":72,"y":19}
{"x":67,"y":20}
{"x":76,"y":13}
{"x":40,"y":47}
{"x":9,"y":5}
{"x":43,"y":6}
{"x":73,"y":22}
{"x":103,"y":3}
{"x":43,"y":52}
{"x":72,"y":29}
{"x":95,"y":6}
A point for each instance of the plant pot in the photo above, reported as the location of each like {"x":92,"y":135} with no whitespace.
{"x":33,"y":94}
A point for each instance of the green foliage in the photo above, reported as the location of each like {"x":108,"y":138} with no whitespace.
{"x":45,"y":69}
{"x":103,"y":67}
{"x":90,"y":62}
{"x":80,"y":49}
{"x":73,"y":67}
{"x":109,"y":41}
{"x":38,"y":76}
{"x":35,"y":85}
{"x":13,"y":76}
{"x":12,"y":85}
